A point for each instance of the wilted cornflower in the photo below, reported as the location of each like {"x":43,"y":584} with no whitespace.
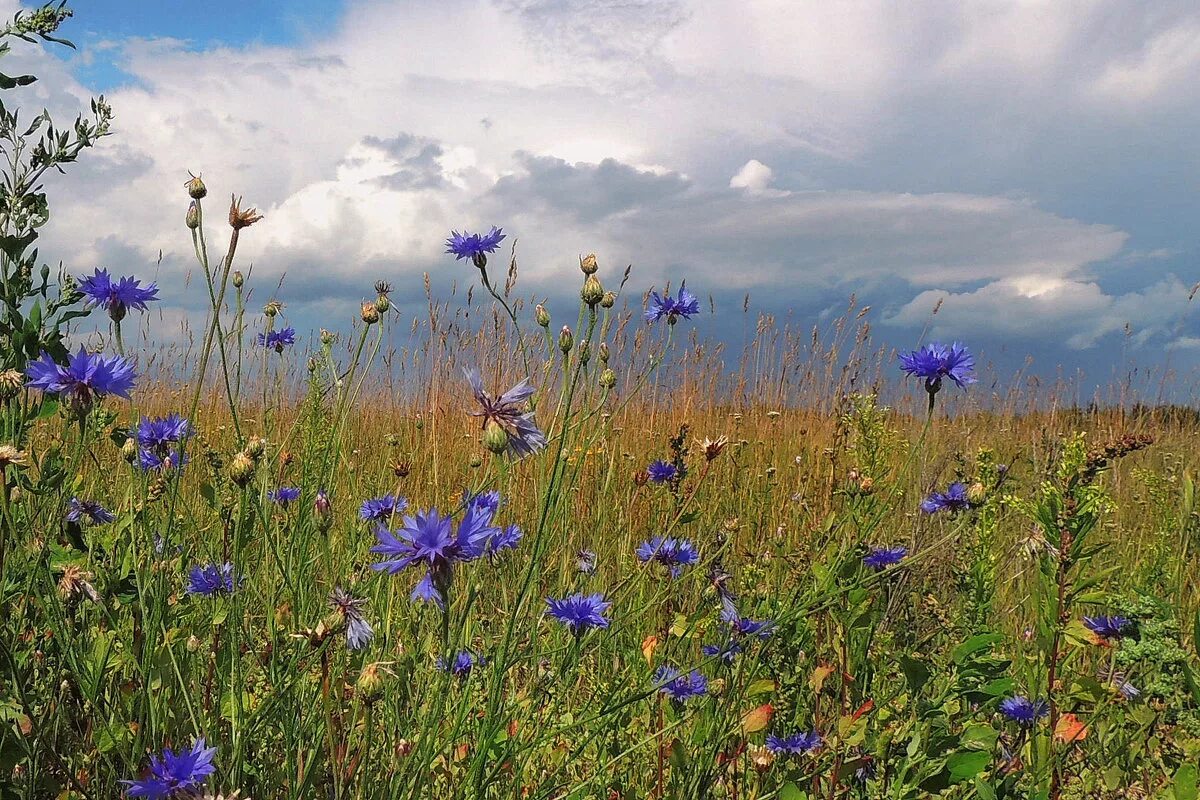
{"x":684,"y":304}
{"x":794,"y":744}
{"x":117,"y":297}
{"x":173,"y":775}
{"x":75,"y":584}
{"x":880,"y":558}
{"x":358,"y":631}
{"x":1108,"y":627}
{"x":585,"y":562}
{"x":933,"y":362}
{"x":1023,"y":711}
{"x":675,"y":554}
{"x":89,"y":511}
{"x":426,"y":540}
{"x":211,"y":579}
{"x":85,"y":377}
{"x":743,"y":626}
{"x":464,"y":661}
{"x":474,"y":246}
{"x":277,"y":340}
{"x":680,"y":687}
{"x":508,"y":413}
{"x":284,"y":495}
{"x":953,"y":499}
{"x":579,"y":612}
{"x":381,"y":509}
{"x":661,"y":471}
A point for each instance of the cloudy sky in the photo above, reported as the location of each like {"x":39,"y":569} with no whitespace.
{"x":1032,"y":164}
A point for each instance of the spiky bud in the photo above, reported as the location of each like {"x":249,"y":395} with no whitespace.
{"x":272,"y":308}
{"x":566,"y":340}
{"x":255,"y":447}
{"x":541,"y":315}
{"x":609,"y":300}
{"x":11,"y":382}
{"x":241,"y":469}
{"x":585,"y":352}
{"x":239,"y":279}
{"x":369,"y":684}
{"x":327,"y":337}
{"x":604,"y":353}
{"x":592,"y":292}
{"x":976,"y":493}
{"x":382,"y":304}
{"x":495,"y":438}
{"x":588,"y":264}
{"x":370,"y":314}
{"x":192,"y":217}
{"x":196,"y":188}
{"x":608,"y":379}
{"x":239,"y":218}
{"x":401,"y":469}
{"x":129,"y":450}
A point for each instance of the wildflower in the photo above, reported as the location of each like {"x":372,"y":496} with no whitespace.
{"x":157,"y":438}
{"x":75,"y":584}
{"x":284,"y":495}
{"x":761,"y":758}
{"x":795,"y":744}
{"x":662,"y":471}
{"x":238,"y":218}
{"x":88,"y":510}
{"x":1023,"y":711}
{"x":117,"y":297}
{"x":1119,"y":683}
{"x":349,"y":607}
{"x":175,"y":775}
{"x":379,"y":509}
{"x":474,"y":246}
{"x":464,"y":661}
{"x":85,"y":377}
{"x":675,"y":554}
{"x":1107,"y":628}
{"x":277,"y":340}
{"x":684,"y":304}
{"x":933,"y":362}
{"x":503,"y":539}
{"x":680,"y":687}
{"x":880,"y":558}
{"x":585,"y":562}
{"x":211,"y":579}
{"x":713,"y":447}
{"x":955,"y":498}
{"x":743,"y":626}
{"x":508,"y":412}
{"x":726,"y":651}
{"x":580,"y":612}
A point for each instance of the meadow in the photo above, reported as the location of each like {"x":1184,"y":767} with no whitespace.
{"x":511,"y":551}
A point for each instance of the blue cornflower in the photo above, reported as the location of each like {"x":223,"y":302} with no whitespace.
{"x":284,"y":495}
{"x":474,"y":246}
{"x":585,"y":562}
{"x":1117,"y":681}
{"x":88,"y":510}
{"x":464,"y":661}
{"x":157,"y":438}
{"x":504,"y":539}
{"x":381,"y":509}
{"x":164,"y":461}
{"x":933,"y":362}
{"x":880,"y":558}
{"x":86,"y":376}
{"x":685,"y":304}
{"x":486,"y":501}
{"x":743,"y":626}
{"x":795,"y":744}
{"x":1108,"y":627}
{"x":358,"y":631}
{"x":1023,"y":711}
{"x":661,"y":471}
{"x":580,"y":611}
{"x":175,"y":775}
{"x":277,"y":340}
{"x":211,"y":579}
{"x":117,"y":297}
{"x":953,"y":499}
{"x":508,"y":412}
{"x":426,"y":540}
{"x":726,"y":651}
{"x":675,"y":554}
{"x":678,"y":686}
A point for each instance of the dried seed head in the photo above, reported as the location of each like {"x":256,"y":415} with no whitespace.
{"x":238,"y":218}
{"x":241,"y":469}
{"x":588,"y":264}
{"x":11,"y":382}
{"x":370,"y":313}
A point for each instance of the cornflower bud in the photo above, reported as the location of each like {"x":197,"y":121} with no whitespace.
{"x":541,"y":315}
{"x":192,"y":217}
{"x":196,"y":188}
{"x":976,"y":494}
{"x":566,"y":340}
{"x":327,"y":337}
{"x":592,"y":292}
{"x":272,"y":308}
{"x":604,"y":353}
{"x":495,"y":438}
{"x":370,"y":313}
{"x":608,"y":379}
{"x":588,"y":264}
{"x":585,"y":352}
{"x":255,"y":447}
{"x":241,"y":469}
{"x":129,"y":450}
{"x":609,"y":300}
{"x":11,"y":382}
{"x":238,"y":279}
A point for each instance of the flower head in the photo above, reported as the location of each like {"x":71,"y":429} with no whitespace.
{"x":358,"y":631}
{"x":381,"y":509}
{"x":933,"y":362}
{"x":680,"y":687}
{"x":955,"y":498}
{"x":117,"y":297}
{"x":675,"y":554}
{"x":579,"y":612}
{"x":277,"y":340}
{"x":284,"y":495}
{"x":85,"y":377}
{"x":662,"y":471}
{"x":460,"y":667}
{"x":1108,"y":627}
{"x":880,"y":558}
{"x":684,"y":304}
{"x":174,"y":775}
{"x":88,"y":511}
{"x":585,"y":562}
{"x":743,"y":626}
{"x":795,"y":744}
{"x":1023,"y":711}
{"x":474,"y":246}
{"x":726,"y":651}
{"x":157,"y":440}
{"x":211,"y":579}
{"x":508,"y":412}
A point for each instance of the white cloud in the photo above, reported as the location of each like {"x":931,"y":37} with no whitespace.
{"x":754,"y":176}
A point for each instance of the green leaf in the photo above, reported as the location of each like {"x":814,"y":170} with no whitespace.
{"x":1185,"y":784}
{"x":209,"y":493}
{"x":982,"y":641}
{"x":966,"y":764}
{"x":915,"y":672}
{"x":791,"y":791}
{"x":978,"y":736}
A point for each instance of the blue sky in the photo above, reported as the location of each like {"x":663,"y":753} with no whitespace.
{"x":1029,"y":166}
